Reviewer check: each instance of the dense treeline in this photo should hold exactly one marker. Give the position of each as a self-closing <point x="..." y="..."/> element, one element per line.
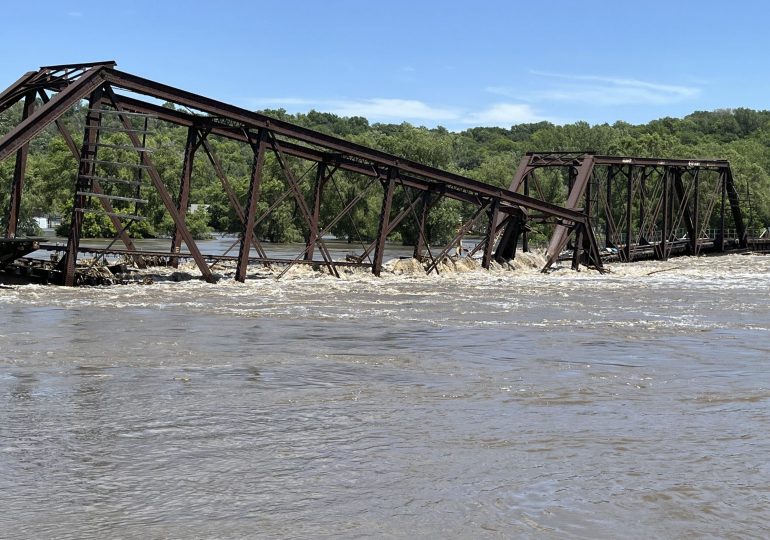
<point x="487" y="154"/>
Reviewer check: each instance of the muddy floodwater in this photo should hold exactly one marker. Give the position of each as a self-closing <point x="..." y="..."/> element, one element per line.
<point x="504" y="404"/>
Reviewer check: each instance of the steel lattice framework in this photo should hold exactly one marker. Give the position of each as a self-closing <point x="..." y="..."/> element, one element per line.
<point x="641" y="203"/>
<point x="505" y="211"/>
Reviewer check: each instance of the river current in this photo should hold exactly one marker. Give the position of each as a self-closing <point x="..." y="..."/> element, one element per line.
<point x="503" y="404"/>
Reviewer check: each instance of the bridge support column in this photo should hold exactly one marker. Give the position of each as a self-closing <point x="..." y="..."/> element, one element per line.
<point x="19" y="172"/>
<point x="87" y="164"/>
<point x="494" y="213"/>
<point x="382" y="231"/>
<point x="723" y="181"/>
<point x="695" y="240"/>
<point x="642" y="207"/>
<point x="666" y="230"/>
<point x="419" y="246"/>
<point x="318" y="187"/>
<point x="251" y="205"/>
<point x="525" y="232"/>
<point x="608" y="243"/>
<point x="184" y="189"/>
<point x="629" y="211"/>
<point x="578" y="247"/>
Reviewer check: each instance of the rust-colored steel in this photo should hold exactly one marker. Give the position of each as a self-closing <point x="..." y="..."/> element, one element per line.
<point x="255" y="183"/>
<point x="87" y="159"/>
<point x="507" y="210"/>
<point x="382" y="232"/>
<point x="622" y="187"/>
<point x="184" y="189"/>
<point x="19" y="172"/>
<point x="168" y="202"/>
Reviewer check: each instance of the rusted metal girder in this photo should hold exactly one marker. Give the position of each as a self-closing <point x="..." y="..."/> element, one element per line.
<point x="184" y="188"/>
<point x="87" y="160"/>
<point x="672" y="203"/>
<point x="258" y="146"/>
<point x="97" y="188"/>
<point x="74" y="82"/>
<point x="19" y="172"/>
<point x="163" y="192"/>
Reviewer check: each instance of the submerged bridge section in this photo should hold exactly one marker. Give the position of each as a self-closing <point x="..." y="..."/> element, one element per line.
<point x="419" y="187"/>
<point x="642" y="207"/>
<point x="122" y="103"/>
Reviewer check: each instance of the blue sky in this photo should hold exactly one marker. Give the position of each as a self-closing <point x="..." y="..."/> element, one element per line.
<point x="451" y="63"/>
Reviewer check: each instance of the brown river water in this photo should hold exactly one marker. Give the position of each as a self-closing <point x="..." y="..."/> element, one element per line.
<point x="503" y="404"/>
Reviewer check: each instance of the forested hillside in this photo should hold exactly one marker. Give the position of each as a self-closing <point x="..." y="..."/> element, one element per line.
<point x="487" y="154"/>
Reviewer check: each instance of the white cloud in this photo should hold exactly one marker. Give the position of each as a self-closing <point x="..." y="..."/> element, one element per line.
<point x="373" y="109"/>
<point x="380" y="108"/>
<point x="410" y="110"/>
<point x="602" y="90"/>
<point x="504" y="115"/>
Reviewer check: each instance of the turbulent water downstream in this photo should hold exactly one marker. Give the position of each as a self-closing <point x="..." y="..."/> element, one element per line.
<point x="484" y="404"/>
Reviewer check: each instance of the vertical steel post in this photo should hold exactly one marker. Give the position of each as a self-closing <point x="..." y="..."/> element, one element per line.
<point x="525" y="233"/>
<point x="629" y="207"/>
<point x="666" y="211"/>
<point x="251" y="205"/>
<point x="318" y="186"/>
<point x="382" y="232"/>
<point x="160" y="187"/>
<point x="642" y="206"/>
<point x="19" y="172"/>
<point x="695" y="242"/>
<point x="87" y="164"/>
<point x="419" y="246"/>
<point x="494" y="212"/>
<point x="723" y="180"/>
<point x="608" y="207"/>
<point x="578" y="247"/>
<point x="184" y="190"/>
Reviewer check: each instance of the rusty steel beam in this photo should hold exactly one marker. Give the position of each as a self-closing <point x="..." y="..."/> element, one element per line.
<point x="278" y="127"/>
<point x="717" y="164"/>
<point x="184" y="189"/>
<point x="232" y="197"/>
<point x="302" y="205"/>
<point x="55" y="108"/>
<point x="422" y="222"/>
<point x="19" y="172"/>
<point x="88" y="156"/>
<point x="559" y="237"/>
<point x="157" y="181"/>
<point x="97" y="188"/>
<point x="318" y="187"/>
<point x="11" y="95"/>
<point x="683" y="197"/>
<point x="382" y="231"/>
<point x="494" y="217"/>
<point x="462" y="232"/>
<point x="333" y="222"/>
<point x="252" y="197"/>
<point x="295" y="150"/>
<point x="392" y="225"/>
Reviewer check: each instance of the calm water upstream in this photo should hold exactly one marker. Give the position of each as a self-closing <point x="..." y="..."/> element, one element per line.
<point x="468" y="405"/>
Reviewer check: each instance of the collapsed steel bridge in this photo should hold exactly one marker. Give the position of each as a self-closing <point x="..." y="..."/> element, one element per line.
<point x="504" y="214"/>
<point x="643" y="207"/>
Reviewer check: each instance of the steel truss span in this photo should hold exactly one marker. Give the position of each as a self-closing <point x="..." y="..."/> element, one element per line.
<point x="642" y="207"/>
<point x="408" y="190"/>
